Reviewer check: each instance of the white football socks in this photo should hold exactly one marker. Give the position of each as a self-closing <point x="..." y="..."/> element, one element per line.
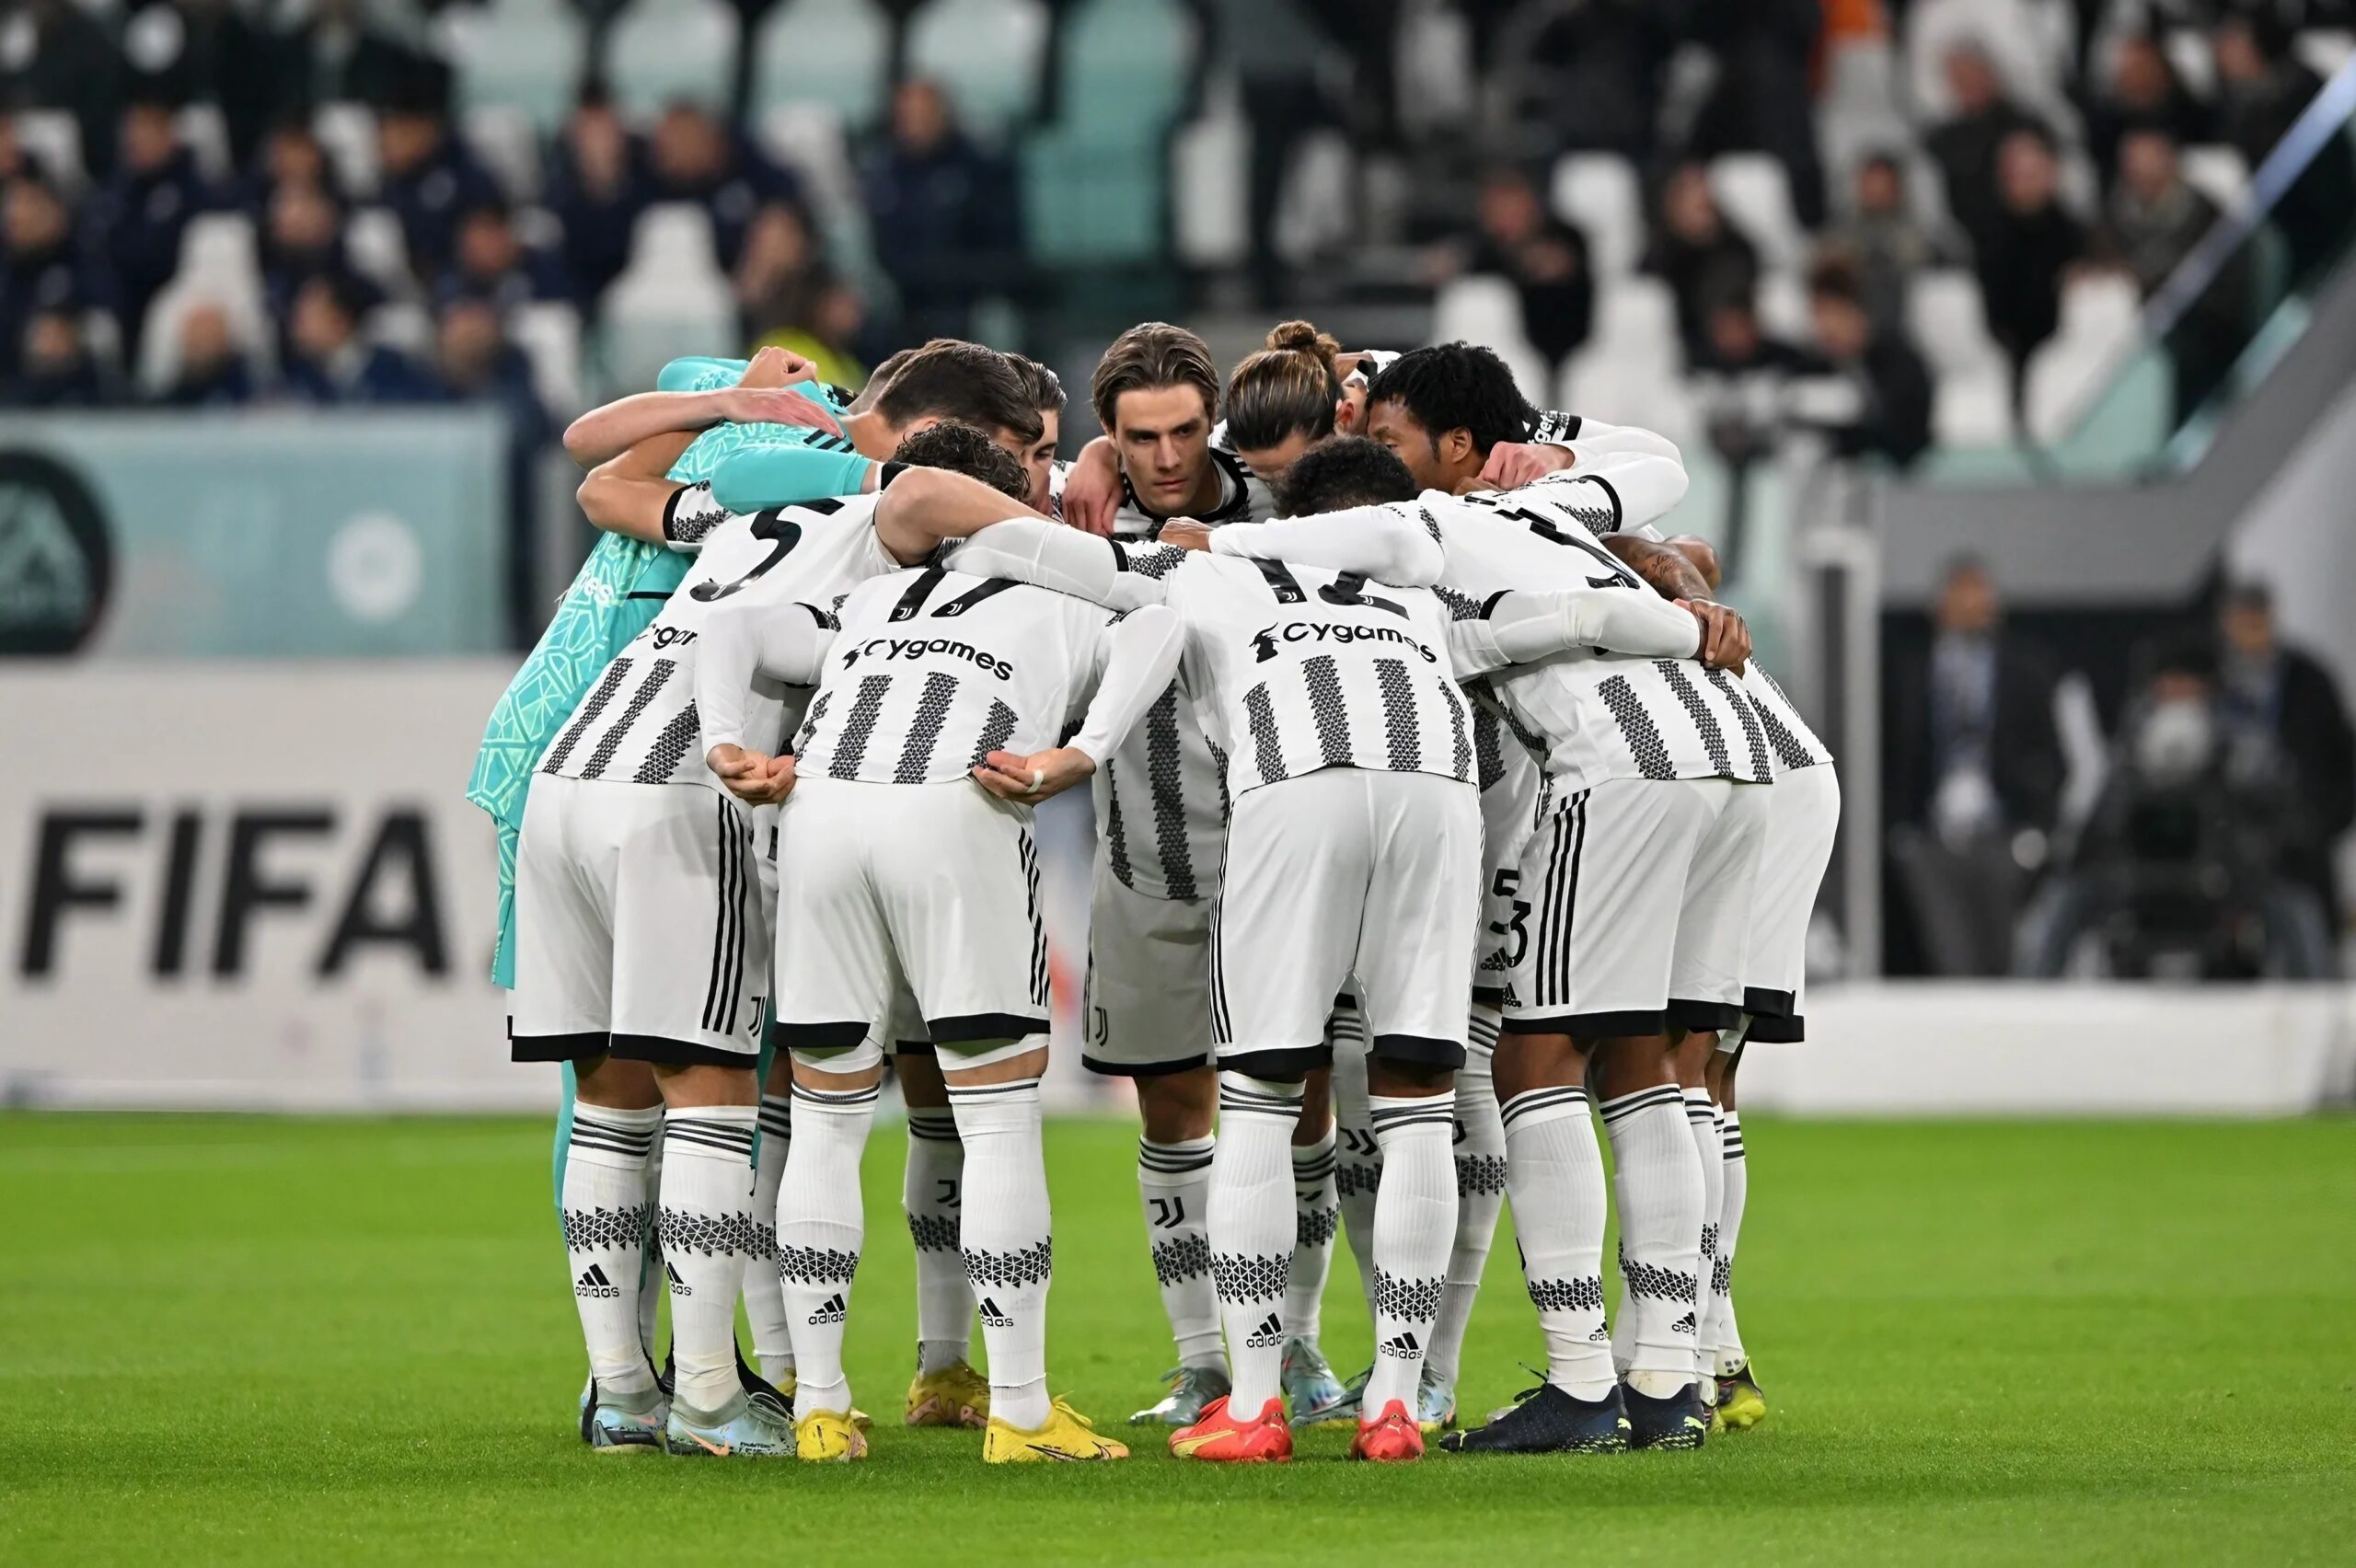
<point x="1007" y="1240"/>
<point x="605" y="1215"/>
<point x="1357" y="1160"/>
<point x="704" y="1218"/>
<point x="1479" y="1194"/>
<point x="1252" y="1231"/>
<point x="821" y="1226"/>
<point x="1414" y="1228"/>
<point x="1316" y="1213"/>
<point x="764" y="1297"/>
<point x="1174" y="1187"/>
<point x="1724" y="1340"/>
<point x="931" y="1196"/>
<point x="1702" y="1125"/>
<point x="1554" y="1176"/>
<point x="1659" y="1198"/>
<point x="651" y="1289"/>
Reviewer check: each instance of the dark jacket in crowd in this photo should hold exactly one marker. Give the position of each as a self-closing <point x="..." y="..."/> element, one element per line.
<point x="141" y="218"/>
<point x="371" y="372"/>
<point x="2023" y="746"/>
<point x="1557" y="314"/>
<point x="429" y="199"/>
<point x="947" y="229"/>
<point x="1699" y="275"/>
<point x="1965" y="150"/>
<point x="2020" y="270"/>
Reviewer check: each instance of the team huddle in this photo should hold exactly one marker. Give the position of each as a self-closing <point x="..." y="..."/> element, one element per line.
<point x="1440" y="809"/>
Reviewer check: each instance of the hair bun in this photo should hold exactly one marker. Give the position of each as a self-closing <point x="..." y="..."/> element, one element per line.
<point x="1302" y="337"/>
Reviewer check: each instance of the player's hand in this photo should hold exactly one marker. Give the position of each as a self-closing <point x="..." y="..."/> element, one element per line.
<point x="1726" y="639"/>
<point x="775" y="404"/>
<point x="1186" y="533"/>
<point x="754" y="778"/>
<point x="1513" y="464"/>
<point x="773" y="366"/>
<point x="1030" y="779"/>
<point x="1092" y="489"/>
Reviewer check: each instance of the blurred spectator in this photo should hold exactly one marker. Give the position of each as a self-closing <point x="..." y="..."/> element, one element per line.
<point x="788" y="296"/>
<point x="596" y="189"/>
<point x="2279" y="698"/>
<point x="2153" y="220"/>
<point x="1894" y="420"/>
<point x="1762" y="101"/>
<point x="492" y="263"/>
<point x="1279" y="49"/>
<point x="338" y="54"/>
<point x="1591" y="73"/>
<point x="1967" y="146"/>
<point x="1883" y="239"/>
<point x="694" y="157"/>
<point x="1971" y="781"/>
<point x="947" y="227"/>
<point x="1738" y="347"/>
<point x="1740" y="379"/>
<point x="291" y="154"/>
<point x="2029" y="244"/>
<point x="2142" y="91"/>
<point x="1545" y="258"/>
<point x="144" y="209"/>
<point x="1701" y="257"/>
<point x="2262" y="88"/>
<point x="474" y="363"/>
<point x="47" y="268"/>
<point x="54" y="54"/>
<point x="329" y="363"/>
<point x="302" y="238"/>
<point x="56" y="370"/>
<point x="208" y="52"/>
<point x="427" y="179"/>
<point x="211" y="371"/>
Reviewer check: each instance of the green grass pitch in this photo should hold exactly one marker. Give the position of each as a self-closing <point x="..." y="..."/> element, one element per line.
<point x="255" y="1341"/>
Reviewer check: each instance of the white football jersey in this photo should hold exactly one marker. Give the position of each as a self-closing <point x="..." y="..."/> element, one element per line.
<point x="1796" y="744"/>
<point x="639" y="724"/>
<point x="1293" y="670"/>
<point x="931" y="670"/>
<point x="1242" y="499"/>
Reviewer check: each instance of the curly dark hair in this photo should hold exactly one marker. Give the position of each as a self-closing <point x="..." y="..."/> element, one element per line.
<point x="1457" y="386"/>
<point x="1343" y="470"/>
<point x="966" y="449"/>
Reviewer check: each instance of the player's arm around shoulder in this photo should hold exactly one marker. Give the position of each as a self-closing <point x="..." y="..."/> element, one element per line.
<point x="745" y="637"/>
<point x="1138" y="650"/>
<point x="1395" y="542"/>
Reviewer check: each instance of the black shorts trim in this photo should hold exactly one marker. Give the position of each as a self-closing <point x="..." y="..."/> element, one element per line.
<point x="1593" y="1026"/>
<point x="1772" y="1031"/>
<point x="1702" y="1018"/>
<point x="1421" y="1050"/>
<point x="969" y="1028"/>
<point x="581" y="1047"/>
<point x="1143" y="1069"/>
<point x="817" y="1036"/>
<point x="912" y="1048"/>
<point x="1488" y="996"/>
<point x="1277" y="1063"/>
<point x="679" y="1053"/>
<point x="1760" y="1002"/>
<point x="1345" y="1000"/>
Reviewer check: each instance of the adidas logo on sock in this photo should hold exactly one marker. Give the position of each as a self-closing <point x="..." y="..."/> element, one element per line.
<point x="992" y="1317"/>
<point x="1268" y="1335"/>
<point x="678" y="1286"/>
<point x="593" y="1283"/>
<point x="1402" y="1344"/>
<point x="832" y="1312"/>
<point x="1683" y="1325"/>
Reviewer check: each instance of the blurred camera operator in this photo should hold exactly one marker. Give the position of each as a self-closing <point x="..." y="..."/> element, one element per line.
<point x="2276" y="699"/>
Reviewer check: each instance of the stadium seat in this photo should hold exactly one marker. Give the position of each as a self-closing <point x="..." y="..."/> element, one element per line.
<point x="520" y="56"/>
<point x="217" y="266"/>
<point x="1858" y="110"/>
<point x="990" y="56"/>
<point x="1971" y="403"/>
<point x="833" y="52"/>
<point x="1093" y="203"/>
<point x="505" y="139"/>
<point x="204" y="134"/>
<point x="1488" y="310"/>
<point x="1440" y="82"/>
<point x="1209" y="207"/>
<point x="2324" y="49"/>
<point x="664" y="52"/>
<point x="1755" y="193"/>
<point x="1628" y="369"/>
<point x="379" y="250"/>
<point x="347" y="133"/>
<point x="2218" y="173"/>
<point x="2187" y="50"/>
<point x="1125" y="68"/>
<point x="549" y="335"/>
<point x="1317" y="206"/>
<point x="2099" y="319"/>
<point x="673" y="292"/>
<point x="54" y="138"/>
<point x="403" y="325"/>
<point x="1781" y="303"/>
<point x="219" y="247"/>
<point x="1596" y="193"/>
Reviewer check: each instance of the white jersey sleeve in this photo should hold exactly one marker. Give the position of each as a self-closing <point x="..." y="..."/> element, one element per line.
<point x="1607" y="492"/>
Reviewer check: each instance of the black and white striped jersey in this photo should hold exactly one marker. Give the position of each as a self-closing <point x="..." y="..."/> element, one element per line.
<point x="1162" y="796"/>
<point x="639" y="724"/>
<point x="1293" y="670"/>
<point x="1788" y="736"/>
<point x="1512" y="794"/>
<point x="1242" y="499"/>
<point x="931" y="670"/>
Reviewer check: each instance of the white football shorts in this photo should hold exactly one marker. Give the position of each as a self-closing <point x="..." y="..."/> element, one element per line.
<point x="1801" y="822"/>
<point x="1147" y="1011"/>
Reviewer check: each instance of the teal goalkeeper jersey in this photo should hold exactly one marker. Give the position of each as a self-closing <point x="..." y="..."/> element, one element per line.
<point x="620" y="588"/>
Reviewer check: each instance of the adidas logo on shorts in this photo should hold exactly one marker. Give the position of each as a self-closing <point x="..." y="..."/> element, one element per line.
<point x="678" y="1286"/>
<point x="1402" y="1344"/>
<point x="992" y="1317"/>
<point x="594" y="1285"/>
<point x="833" y="1311"/>
<point x="1268" y="1334"/>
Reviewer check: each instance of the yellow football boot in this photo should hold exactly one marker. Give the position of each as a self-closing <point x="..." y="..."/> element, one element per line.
<point x="955" y="1396"/>
<point x="1741" y="1405"/>
<point x="825" y="1437"/>
<point x="1068" y="1436"/>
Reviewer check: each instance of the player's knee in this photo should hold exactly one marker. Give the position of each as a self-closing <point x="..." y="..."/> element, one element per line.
<point x="1289" y="1065"/>
<point x="1524" y="1062"/>
<point x="850" y="1066"/>
<point x="1624" y="1067"/>
<point x="1694" y="1054"/>
<point x="1395" y="1078"/>
<point x="975" y="1063"/>
<point x="1177" y="1107"/>
<point x="707" y="1083"/>
<point x="1316" y="1108"/>
<point x="617" y="1085"/>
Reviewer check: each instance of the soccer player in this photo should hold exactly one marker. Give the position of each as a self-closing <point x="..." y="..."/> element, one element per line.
<point x="635" y="877"/>
<point x="1651" y="750"/>
<point x="934" y="683"/>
